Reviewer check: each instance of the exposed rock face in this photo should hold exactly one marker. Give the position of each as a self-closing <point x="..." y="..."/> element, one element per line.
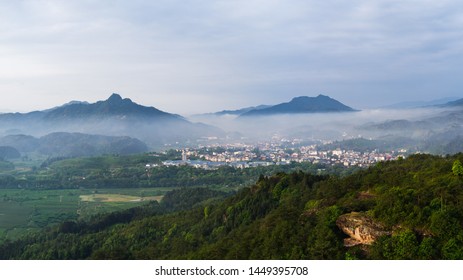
<point x="361" y="229"/>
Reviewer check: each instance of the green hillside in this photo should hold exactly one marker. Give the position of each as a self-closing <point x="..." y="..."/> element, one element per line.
<point x="413" y="209"/>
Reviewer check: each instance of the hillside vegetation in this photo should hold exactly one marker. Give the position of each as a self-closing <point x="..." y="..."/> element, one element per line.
<point x="418" y="202"/>
<point x="130" y="171"/>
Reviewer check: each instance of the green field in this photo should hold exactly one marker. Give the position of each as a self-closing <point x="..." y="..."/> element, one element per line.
<point x="22" y="210"/>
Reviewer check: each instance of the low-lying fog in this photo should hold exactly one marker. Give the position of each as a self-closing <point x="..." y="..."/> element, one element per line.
<point x="428" y="127"/>
<point x="368" y="123"/>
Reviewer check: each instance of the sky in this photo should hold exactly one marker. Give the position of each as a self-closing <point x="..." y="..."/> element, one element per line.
<point x="195" y="56"/>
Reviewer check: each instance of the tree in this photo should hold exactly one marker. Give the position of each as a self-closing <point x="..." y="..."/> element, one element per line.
<point x="457" y="168"/>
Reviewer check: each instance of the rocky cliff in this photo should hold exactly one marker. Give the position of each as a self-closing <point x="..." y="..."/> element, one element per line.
<point x="361" y="228"/>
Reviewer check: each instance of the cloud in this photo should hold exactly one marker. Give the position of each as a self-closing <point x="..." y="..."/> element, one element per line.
<point x="166" y="52"/>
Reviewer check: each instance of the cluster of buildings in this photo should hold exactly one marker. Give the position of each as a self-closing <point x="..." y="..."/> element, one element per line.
<point x="264" y="154"/>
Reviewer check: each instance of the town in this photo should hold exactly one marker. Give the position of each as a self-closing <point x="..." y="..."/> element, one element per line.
<point x="279" y="152"/>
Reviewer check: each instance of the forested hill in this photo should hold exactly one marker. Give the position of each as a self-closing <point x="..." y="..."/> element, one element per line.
<point x="405" y="209"/>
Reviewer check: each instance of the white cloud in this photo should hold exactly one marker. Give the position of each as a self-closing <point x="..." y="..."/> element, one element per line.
<point x="226" y="50"/>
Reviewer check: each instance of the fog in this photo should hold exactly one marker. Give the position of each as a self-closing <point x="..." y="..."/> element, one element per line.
<point x="431" y="129"/>
<point x="371" y="123"/>
<point x="156" y="133"/>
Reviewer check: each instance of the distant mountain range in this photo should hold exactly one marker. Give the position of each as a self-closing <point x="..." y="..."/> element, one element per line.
<point x="418" y="104"/>
<point x="63" y="144"/>
<point x="112" y="117"/>
<point x="445" y="120"/>
<point x="298" y="105"/>
<point x="440" y="131"/>
<point x="240" y="111"/>
<point x="455" y="103"/>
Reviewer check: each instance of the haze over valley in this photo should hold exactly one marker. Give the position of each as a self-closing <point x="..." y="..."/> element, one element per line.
<point x="118" y="125"/>
<point x="242" y="130"/>
<point x="320" y="131"/>
<point x="434" y="129"/>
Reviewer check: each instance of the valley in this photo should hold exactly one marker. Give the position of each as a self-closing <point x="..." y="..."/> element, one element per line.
<point x="186" y="195"/>
<point x="248" y="130"/>
<point x="403" y="209"/>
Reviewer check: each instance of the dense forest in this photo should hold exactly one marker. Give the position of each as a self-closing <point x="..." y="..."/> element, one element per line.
<point x="417" y="203"/>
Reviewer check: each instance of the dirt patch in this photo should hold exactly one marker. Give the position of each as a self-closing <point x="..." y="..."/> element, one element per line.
<point x="116" y="198"/>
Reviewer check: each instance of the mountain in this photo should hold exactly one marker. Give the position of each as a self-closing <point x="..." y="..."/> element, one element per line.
<point x="437" y="129"/>
<point x="65" y="144"/>
<point x="240" y="111"/>
<point x="79" y="144"/>
<point x="114" y="106"/>
<point x="417" y="104"/>
<point x="302" y="104"/>
<point x="7" y="152"/>
<point x="455" y="103"/>
<point x="22" y="143"/>
<point x="67" y="104"/>
<point x="401" y="124"/>
<point x="115" y="116"/>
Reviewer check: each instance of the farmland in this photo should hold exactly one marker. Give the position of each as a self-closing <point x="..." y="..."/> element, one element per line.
<point x="23" y="211"/>
<point x="40" y="192"/>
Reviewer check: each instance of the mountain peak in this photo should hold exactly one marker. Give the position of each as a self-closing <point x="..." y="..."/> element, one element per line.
<point x="320" y="97"/>
<point x="114" y="106"/>
<point x="299" y="98"/>
<point x="114" y="98"/>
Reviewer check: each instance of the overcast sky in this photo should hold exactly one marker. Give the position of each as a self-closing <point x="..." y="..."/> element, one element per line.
<point x="200" y="56"/>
